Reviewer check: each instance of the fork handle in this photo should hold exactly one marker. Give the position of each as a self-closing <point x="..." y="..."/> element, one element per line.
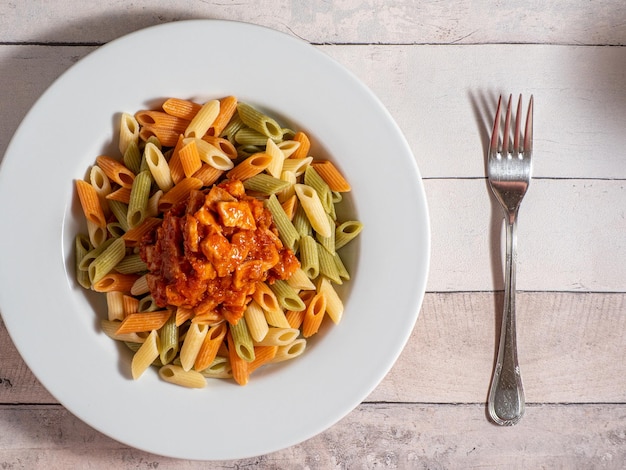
<point x="506" y="396"/>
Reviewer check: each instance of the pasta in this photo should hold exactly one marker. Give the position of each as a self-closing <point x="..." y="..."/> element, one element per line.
<point x="215" y="239"/>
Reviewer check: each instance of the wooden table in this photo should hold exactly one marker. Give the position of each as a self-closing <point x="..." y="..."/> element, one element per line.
<point x="438" y="67"/>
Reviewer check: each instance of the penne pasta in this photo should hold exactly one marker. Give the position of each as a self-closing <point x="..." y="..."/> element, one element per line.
<point x="90" y="202"/>
<point x="279" y="337"/>
<point x="255" y="320"/>
<point x="228" y="107"/>
<point x="203" y="119"/>
<point x="184" y="109"/>
<point x="346" y="232"/>
<point x="104" y="263"/>
<point x="145" y="355"/>
<point x="305" y="145"/>
<point x="251" y="166"/>
<point x="258" y="121"/>
<point x="286" y="231"/>
<point x="290" y="351"/>
<point x="332" y="176"/>
<point x="210" y="346"/>
<point x="129" y="132"/>
<point x="191" y="344"/>
<point x="190" y="158"/>
<point x="312" y="206"/>
<point x="138" y="200"/>
<point x="185" y="378"/>
<point x="179" y="193"/>
<point x="143" y="321"/>
<point x="158" y="167"/>
<point x="314" y="315"/>
<point x="115" y="171"/>
<point x="168" y="336"/>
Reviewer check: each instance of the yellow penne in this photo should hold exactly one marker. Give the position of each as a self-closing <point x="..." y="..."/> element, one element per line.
<point x="158" y="167"/>
<point x="185" y="378"/>
<point x="129" y="132"/>
<point x="116" y="171"/>
<point x="256" y="321"/>
<point x="288" y="147"/>
<point x="203" y="119"/>
<point x="297" y="166"/>
<point x="334" y="304"/>
<point x="145" y="355"/>
<point x="275" y="167"/>
<point x="279" y="337"/>
<point x="212" y="155"/>
<point x="115" y="305"/>
<point x="191" y="344"/>
<point x="90" y="202"/>
<point x="100" y="182"/>
<point x="97" y="234"/>
<point x="290" y="351"/>
<point x="140" y="286"/>
<point x="312" y="205"/>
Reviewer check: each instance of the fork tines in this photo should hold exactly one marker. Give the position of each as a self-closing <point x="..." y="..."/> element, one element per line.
<point x="506" y="148"/>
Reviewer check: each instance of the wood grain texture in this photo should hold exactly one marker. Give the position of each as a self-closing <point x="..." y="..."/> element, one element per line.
<point x="571" y="348"/>
<point x="319" y="21"/>
<point x="400" y="436"/>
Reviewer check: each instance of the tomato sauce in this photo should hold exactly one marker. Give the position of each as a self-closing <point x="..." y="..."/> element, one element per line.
<point x="211" y="250"/>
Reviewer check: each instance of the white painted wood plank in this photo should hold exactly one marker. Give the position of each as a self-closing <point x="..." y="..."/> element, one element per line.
<point x="373" y="436"/>
<point x="351" y="21"/>
<point x="571" y="351"/>
<point x="570" y="236"/>
<point x="442" y="97"/>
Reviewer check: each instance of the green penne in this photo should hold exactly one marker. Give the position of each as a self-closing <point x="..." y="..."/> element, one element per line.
<point x="242" y="340"/>
<point x="248" y="136"/>
<point x="301" y="222"/>
<point x="82" y="247"/>
<point x="346" y="232"/>
<point x="147" y="304"/>
<point x="138" y="202"/>
<point x="219" y="369"/>
<point x="309" y="258"/>
<point x="115" y="229"/>
<point x="168" y="336"/>
<point x="132" y="157"/>
<point x="328" y="242"/>
<point x="328" y="266"/>
<point x="344" y="275"/>
<point x="260" y="122"/>
<point x="265" y="184"/>
<point x="232" y="128"/>
<point x="287" y="296"/>
<point x="120" y="211"/>
<point x="287" y="232"/>
<point x="106" y="261"/>
<point x="131" y="264"/>
<point x="88" y="258"/>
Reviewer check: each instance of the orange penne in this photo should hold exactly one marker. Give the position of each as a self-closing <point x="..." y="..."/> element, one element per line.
<point x="164" y="135"/>
<point x="295" y="318"/>
<point x="314" y="315"/>
<point x="143" y="321"/>
<point x="190" y="158"/>
<point x="305" y="145"/>
<point x="183" y="314"/>
<point x="228" y="106"/>
<point x="130" y="304"/>
<point x="208" y="174"/>
<point x="122" y="195"/>
<point x="90" y="203"/>
<point x="181" y="108"/>
<point x="179" y="193"/>
<point x="262" y="355"/>
<point x="135" y="234"/>
<point x="176" y="167"/>
<point x="238" y="365"/>
<point x="289" y="206"/>
<point x="224" y="145"/>
<point x="253" y="165"/>
<point x="162" y="120"/>
<point x="331" y="175"/>
<point x="115" y="282"/>
<point x="116" y="171"/>
<point x="211" y="344"/>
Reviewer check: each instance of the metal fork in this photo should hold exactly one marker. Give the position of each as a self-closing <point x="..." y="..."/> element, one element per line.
<point x="509" y="173"/>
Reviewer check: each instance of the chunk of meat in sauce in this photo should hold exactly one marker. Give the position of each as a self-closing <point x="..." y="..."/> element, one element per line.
<point x="211" y="251"/>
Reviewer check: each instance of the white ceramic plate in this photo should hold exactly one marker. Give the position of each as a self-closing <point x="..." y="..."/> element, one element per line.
<point x="54" y="323"/>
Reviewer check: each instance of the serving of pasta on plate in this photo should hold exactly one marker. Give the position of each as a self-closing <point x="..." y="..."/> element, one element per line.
<point x="215" y="237"/>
